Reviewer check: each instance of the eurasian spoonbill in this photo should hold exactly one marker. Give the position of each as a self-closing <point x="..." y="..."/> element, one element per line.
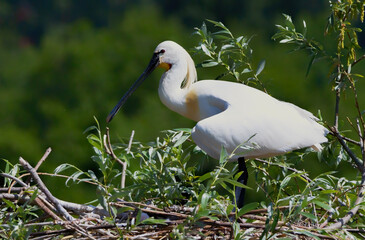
<point x="229" y="115"/>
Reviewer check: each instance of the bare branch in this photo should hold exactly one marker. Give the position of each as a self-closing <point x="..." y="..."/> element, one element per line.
<point x="14" y="179"/>
<point x="44" y="189"/>
<point x="109" y="150"/>
<point x="337" y="107"/>
<point x="130" y="142"/>
<point x="44" y="157"/>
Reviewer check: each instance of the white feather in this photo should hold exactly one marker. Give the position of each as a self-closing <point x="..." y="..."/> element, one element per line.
<point x="232" y="114"/>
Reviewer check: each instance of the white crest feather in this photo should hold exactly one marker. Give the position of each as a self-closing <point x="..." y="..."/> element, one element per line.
<point x="191" y="75"/>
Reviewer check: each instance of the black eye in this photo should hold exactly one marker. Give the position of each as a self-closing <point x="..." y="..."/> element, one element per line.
<point x="161" y="51"/>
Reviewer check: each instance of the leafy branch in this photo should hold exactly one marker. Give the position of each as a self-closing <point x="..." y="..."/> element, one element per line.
<point x="222" y="48"/>
<point x="342" y="77"/>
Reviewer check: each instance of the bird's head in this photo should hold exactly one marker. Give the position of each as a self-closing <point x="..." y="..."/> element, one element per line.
<point x="169" y="53"/>
<point x="166" y="55"/>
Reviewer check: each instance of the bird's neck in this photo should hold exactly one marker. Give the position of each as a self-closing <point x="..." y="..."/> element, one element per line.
<point x="170" y="91"/>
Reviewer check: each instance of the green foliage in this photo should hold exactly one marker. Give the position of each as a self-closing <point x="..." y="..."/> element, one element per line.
<point x="167" y="173"/>
<point x="49" y="92"/>
<point x="14" y="215"/>
<point x="222" y="48"/>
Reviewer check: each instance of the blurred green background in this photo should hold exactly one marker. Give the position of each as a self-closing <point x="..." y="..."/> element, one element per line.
<point x="63" y="62"/>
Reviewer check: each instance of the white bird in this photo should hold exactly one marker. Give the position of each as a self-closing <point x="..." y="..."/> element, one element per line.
<point x="230" y="115"/>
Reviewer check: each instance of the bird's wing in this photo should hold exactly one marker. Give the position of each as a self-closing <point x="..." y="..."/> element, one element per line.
<point x="262" y="131"/>
<point x="304" y="113"/>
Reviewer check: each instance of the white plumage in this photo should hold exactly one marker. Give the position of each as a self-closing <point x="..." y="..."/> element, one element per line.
<point x="230" y="115"/>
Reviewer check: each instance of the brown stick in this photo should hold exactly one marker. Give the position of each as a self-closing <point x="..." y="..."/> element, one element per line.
<point x="44" y="189"/>
<point x="39" y="163"/>
<point x="109" y="150"/>
<point x="37" y="200"/>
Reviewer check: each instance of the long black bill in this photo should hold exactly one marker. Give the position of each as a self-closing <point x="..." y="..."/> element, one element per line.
<point x="151" y="66"/>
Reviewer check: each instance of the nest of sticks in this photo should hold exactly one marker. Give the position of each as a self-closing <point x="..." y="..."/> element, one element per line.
<point x="80" y="221"/>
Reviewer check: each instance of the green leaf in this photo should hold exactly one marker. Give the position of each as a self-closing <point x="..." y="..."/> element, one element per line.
<point x="9" y="203"/>
<point x="181" y="140"/>
<point x="309" y="215"/>
<point x="209" y="64"/>
<point x="205" y="50"/>
<point x="223" y="157"/>
<point x="246" y="70"/>
<point x="323" y="205"/>
<point x="229" y="209"/>
<point x="246" y="208"/>
<point x="204" y="200"/>
<point x="286" y="40"/>
<point x="285" y="182"/>
<point x="62" y="167"/>
<point x="205" y="177"/>
<point x="154" y="221"/>
<point x="89" y="129"/>
<point x="329" y="191"/>
<point x="310" y="64"/>
<point x="138" y="217"/>
<point x="234" y="183"/>
<point x="307" y="233"/>
<point x="260" y="67"/>
<point x="289" y="22"/>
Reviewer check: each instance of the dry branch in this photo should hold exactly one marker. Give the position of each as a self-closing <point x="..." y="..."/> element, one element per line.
<point x="44" y="189"/>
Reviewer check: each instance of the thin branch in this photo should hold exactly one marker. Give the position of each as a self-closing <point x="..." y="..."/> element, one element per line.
<point x="358" y="60"/>
<point x="44" y="157"/>
<point x="39" y="163"/>
<point x="291" y="169"/>
<point x="14" y="179"/>
<point x="356" y="99"/>
<point x="360" y="197"/>
<point x="109" y="150"/>
<point x="44" y="189"/>
<point x="12" y="190"/>
<point x="345" y="138"/>
<point x="24" y="199"/>
<point x="337" y="106"/>
<point x="130" y="142"/>
<point x="357" y="161"/>
<point x="40" y="202"/>
<point x="362" y="139"/>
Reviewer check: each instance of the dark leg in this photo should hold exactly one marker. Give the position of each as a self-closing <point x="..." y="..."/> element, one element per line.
<point x="240" y="192"/>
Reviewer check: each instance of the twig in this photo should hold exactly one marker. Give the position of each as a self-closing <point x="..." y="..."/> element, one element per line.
<point x="14" y="179"/>
<point x="12" y="190"/>
<point x="337" y="106"/>
<point x="44" y="157"/>
<point x="343" y="221"/>
<point x="39" y="163"/>
<point x="24" y="199"/>
<point x="290" y="168"/>
<point x="44" y="189"/>
<point x="345" y="138"/>
<point x="40" y="202"/>
<point x="130" y="142"/>
<point x="109" y="150"/>
<point x="362" y="139"/>
<point x="357" y="161"/>
<point x="358" y="60"/>
<point x="84" y="208"/>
